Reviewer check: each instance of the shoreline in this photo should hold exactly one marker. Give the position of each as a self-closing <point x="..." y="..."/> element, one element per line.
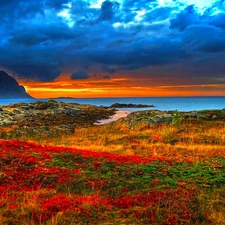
<point x="164" y="104"/>
<point x="118" y="114"/>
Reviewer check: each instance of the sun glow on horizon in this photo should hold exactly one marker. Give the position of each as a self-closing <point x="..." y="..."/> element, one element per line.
<point x="57" y="89"/>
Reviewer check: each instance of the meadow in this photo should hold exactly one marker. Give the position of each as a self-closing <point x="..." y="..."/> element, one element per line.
<point x="171" y="173"/>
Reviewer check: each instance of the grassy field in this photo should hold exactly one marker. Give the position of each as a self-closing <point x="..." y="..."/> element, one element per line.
<point x="168" y="174"/>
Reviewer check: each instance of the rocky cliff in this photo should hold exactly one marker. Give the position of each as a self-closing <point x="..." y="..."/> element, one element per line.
<point x="9" y="87"/>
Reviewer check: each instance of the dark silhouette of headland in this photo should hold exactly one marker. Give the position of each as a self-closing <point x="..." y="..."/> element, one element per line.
<point x="10" y="88"/>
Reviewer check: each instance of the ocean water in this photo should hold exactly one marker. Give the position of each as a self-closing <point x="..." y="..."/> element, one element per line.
<point x="160" y="103"/>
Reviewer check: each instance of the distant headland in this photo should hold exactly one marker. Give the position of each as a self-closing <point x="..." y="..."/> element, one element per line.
<point x="10" y="88"/>
<point x="65" y="98"/>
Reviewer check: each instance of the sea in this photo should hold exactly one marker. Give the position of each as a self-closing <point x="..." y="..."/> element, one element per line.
<point x="161" y="103"/>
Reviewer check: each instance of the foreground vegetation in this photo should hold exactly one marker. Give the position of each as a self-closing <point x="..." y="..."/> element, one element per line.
<point x="167" y="174"/>
<point x="54" y="185"/>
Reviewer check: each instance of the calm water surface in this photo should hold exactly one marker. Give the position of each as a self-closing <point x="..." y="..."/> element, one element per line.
<point x="168" y="103"/>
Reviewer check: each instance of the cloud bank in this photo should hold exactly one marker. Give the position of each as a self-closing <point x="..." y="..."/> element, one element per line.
<point x="42" y="39"/>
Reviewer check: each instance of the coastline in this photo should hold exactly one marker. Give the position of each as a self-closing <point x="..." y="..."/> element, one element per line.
<point x="118" y="114"/>
<point x="161" y="103"/>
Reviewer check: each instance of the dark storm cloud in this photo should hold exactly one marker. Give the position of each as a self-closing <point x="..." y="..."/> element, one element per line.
<point x="42" y="39"/>
<point x="204" y="38"/>
<point x="56" y="4"/>
<point x="42" y="72"/>
<point x="140" y="54"/>
<point x="218" y="20"/>
<point x="79" y="75"/>
<point x="48" y="32"/>
<point x="109" y="69"/>
<point x="185" y="18"/>
<point x="107" y="10"/>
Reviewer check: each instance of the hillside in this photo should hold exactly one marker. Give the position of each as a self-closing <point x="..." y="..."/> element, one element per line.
<point x="9" y="87"/>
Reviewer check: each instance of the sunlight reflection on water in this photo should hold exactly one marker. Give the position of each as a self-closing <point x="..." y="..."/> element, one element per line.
<point x="119" y="114"/>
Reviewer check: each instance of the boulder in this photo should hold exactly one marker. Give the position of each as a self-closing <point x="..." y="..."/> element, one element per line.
<point x="71" y="111"/>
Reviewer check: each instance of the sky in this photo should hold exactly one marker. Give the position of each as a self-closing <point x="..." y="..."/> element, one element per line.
<point x="104" y="48"/>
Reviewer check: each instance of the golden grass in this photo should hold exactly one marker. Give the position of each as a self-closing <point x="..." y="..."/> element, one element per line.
<point x="191" y="139"/>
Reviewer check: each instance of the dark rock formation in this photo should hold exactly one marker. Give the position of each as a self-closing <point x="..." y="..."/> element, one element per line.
<point x="9" y="87"/>
<point x="121" y="105"/>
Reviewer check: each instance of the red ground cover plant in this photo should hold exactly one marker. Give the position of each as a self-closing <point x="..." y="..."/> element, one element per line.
<point x="56" y="185"/>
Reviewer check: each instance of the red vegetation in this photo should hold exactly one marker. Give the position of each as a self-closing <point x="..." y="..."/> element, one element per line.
<point x="46" y="181"/>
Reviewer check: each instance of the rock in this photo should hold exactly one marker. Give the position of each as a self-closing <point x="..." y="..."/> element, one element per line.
<point x="53" y="101"/>
<point x="17" y="111"/>
<point x="19" y="104"/>
<point x="7" y="122"/>
<point x="204" y="117"/>
<point x="192" y="114"/>
<point x="121" y="105"/>
<point x="71" y="111"/>
<point x="41" y="105"/>
<point x="25" y="107"/>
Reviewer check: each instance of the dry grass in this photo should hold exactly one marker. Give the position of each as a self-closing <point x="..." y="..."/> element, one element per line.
<point x="190" y="139"/>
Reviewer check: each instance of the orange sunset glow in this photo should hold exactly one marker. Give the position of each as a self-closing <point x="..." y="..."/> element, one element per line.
<point x="121" y="87"/>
